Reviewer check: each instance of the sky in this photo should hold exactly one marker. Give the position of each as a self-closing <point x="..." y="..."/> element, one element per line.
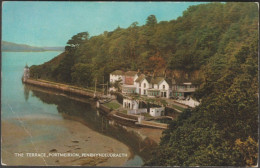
<point x="40" y="23"/>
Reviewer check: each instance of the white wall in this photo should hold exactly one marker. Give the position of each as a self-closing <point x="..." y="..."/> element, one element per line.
<point x="137" y="111"/>
<point x="133" y="104"/>
<point x="155" y="112"/>
<point x="167" y="88"/>
<point x="114" y="78"/>
<point x="144" y="88"/>
<point x="135" y="77"/>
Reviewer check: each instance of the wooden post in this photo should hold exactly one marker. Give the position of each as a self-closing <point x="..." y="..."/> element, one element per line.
<point x="107" y="88"/>
<point x="95" y="88"/>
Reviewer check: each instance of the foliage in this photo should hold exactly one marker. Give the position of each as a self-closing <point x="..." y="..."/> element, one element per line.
<point x="222" y="131"/>
<point x="117" y="85"/>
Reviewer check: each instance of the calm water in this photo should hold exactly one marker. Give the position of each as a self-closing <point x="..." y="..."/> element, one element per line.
<point x="20" y="100"/>
<point x="13" y="89"/>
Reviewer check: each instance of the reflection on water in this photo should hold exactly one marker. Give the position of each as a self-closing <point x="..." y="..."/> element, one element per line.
<point x="26" y="93"/>
<point x="84" y="111"/>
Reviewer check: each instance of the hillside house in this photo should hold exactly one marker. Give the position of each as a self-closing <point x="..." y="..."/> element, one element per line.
<point x="153" y="86"/>
<point x="130" y="77"/>
<point x="159" y="87"/>
<point x="129" y="83"/>
<point x="183" y="88"/>
<point x="142" y="84"/>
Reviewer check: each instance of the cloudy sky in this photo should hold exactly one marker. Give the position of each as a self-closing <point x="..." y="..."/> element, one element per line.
<point x="54" y="23"/>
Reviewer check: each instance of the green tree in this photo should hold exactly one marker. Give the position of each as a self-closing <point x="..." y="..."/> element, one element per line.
<point x="76" y="41"/>
<point x="151" y="20"/>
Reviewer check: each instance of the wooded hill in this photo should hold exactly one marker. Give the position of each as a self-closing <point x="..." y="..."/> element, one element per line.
<point x="218" y="41"/>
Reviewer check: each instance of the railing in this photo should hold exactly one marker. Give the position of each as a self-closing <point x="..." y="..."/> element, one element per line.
<point x="154" y="124"/>
<point x="185" y="90"/>
<point x="137" y="111"/>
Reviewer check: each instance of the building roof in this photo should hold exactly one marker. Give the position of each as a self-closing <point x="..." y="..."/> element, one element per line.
<point x="140" y="78"/>
<point x="130" y="73"/>
<point x="118" y="72"/>
<point x="156" y="80"/>
<point x="180" y="81"/>
<point x="128" y="86"/>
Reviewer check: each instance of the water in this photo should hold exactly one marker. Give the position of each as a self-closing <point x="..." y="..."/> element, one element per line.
<point x="20" y="100"/>
<point x="12" y="92"/>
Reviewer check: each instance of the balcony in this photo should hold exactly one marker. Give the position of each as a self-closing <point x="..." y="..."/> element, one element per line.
<point x="128" y="89"/>
<point x="184" y="89"/>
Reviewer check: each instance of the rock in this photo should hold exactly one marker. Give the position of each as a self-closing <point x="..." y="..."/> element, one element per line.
<point x="53" y="150"/>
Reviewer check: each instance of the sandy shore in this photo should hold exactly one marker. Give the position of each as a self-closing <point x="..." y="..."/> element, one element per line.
<point x="51" y="136"/>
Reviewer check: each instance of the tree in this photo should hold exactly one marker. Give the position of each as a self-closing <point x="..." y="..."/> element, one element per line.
<point x="81" y="74"/>
<point x="151" y="20"/>
<point x="117" y="85"/>
<point x="156" y="63"/>
<point x="76" y="41"/>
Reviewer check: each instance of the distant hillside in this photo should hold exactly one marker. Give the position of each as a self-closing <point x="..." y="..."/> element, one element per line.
<point x="9" y="46"/>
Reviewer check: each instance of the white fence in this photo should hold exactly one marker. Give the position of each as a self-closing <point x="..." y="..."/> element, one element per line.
<point x="137" y="111"/>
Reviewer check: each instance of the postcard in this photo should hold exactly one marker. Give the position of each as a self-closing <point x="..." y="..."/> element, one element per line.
<point x="129" y="84"/>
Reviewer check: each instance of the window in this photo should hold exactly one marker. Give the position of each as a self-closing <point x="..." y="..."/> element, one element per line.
<point x="139" y="84"/>
<point x="144" y="85"/>
<point x="152" y="86"/>
<point x="144" y="92"/>
<point x="163" y="86"/>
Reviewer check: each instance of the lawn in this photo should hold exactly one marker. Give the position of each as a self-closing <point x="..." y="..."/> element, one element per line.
<point x="178" y="107"/>
<point x="112" y="105"/>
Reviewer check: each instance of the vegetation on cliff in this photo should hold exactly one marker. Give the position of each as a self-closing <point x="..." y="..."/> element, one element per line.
<point x="220" y="40"/>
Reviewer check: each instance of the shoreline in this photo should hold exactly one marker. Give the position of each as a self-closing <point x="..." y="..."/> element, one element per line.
<point x="35" y="136"/>
<point x="13" y="127"/>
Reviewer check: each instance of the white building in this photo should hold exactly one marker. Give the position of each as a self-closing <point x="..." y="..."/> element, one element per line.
<point x="164" y="87"/>
<point x="182" y="88"/>
<point x="129" y="86"/>
<point x="141" y="84"/>
<point x="116" y="76"/>
<point x="157" y="111"/>
<point x="26" y="72"/>
<point x="153" y="86"/>
<point x="130" y="104"/>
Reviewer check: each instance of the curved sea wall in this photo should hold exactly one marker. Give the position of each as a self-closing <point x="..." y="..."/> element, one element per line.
<point x="63" y="87"/>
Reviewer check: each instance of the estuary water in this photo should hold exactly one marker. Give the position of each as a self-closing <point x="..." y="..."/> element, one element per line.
<point x="26" y="107"/>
